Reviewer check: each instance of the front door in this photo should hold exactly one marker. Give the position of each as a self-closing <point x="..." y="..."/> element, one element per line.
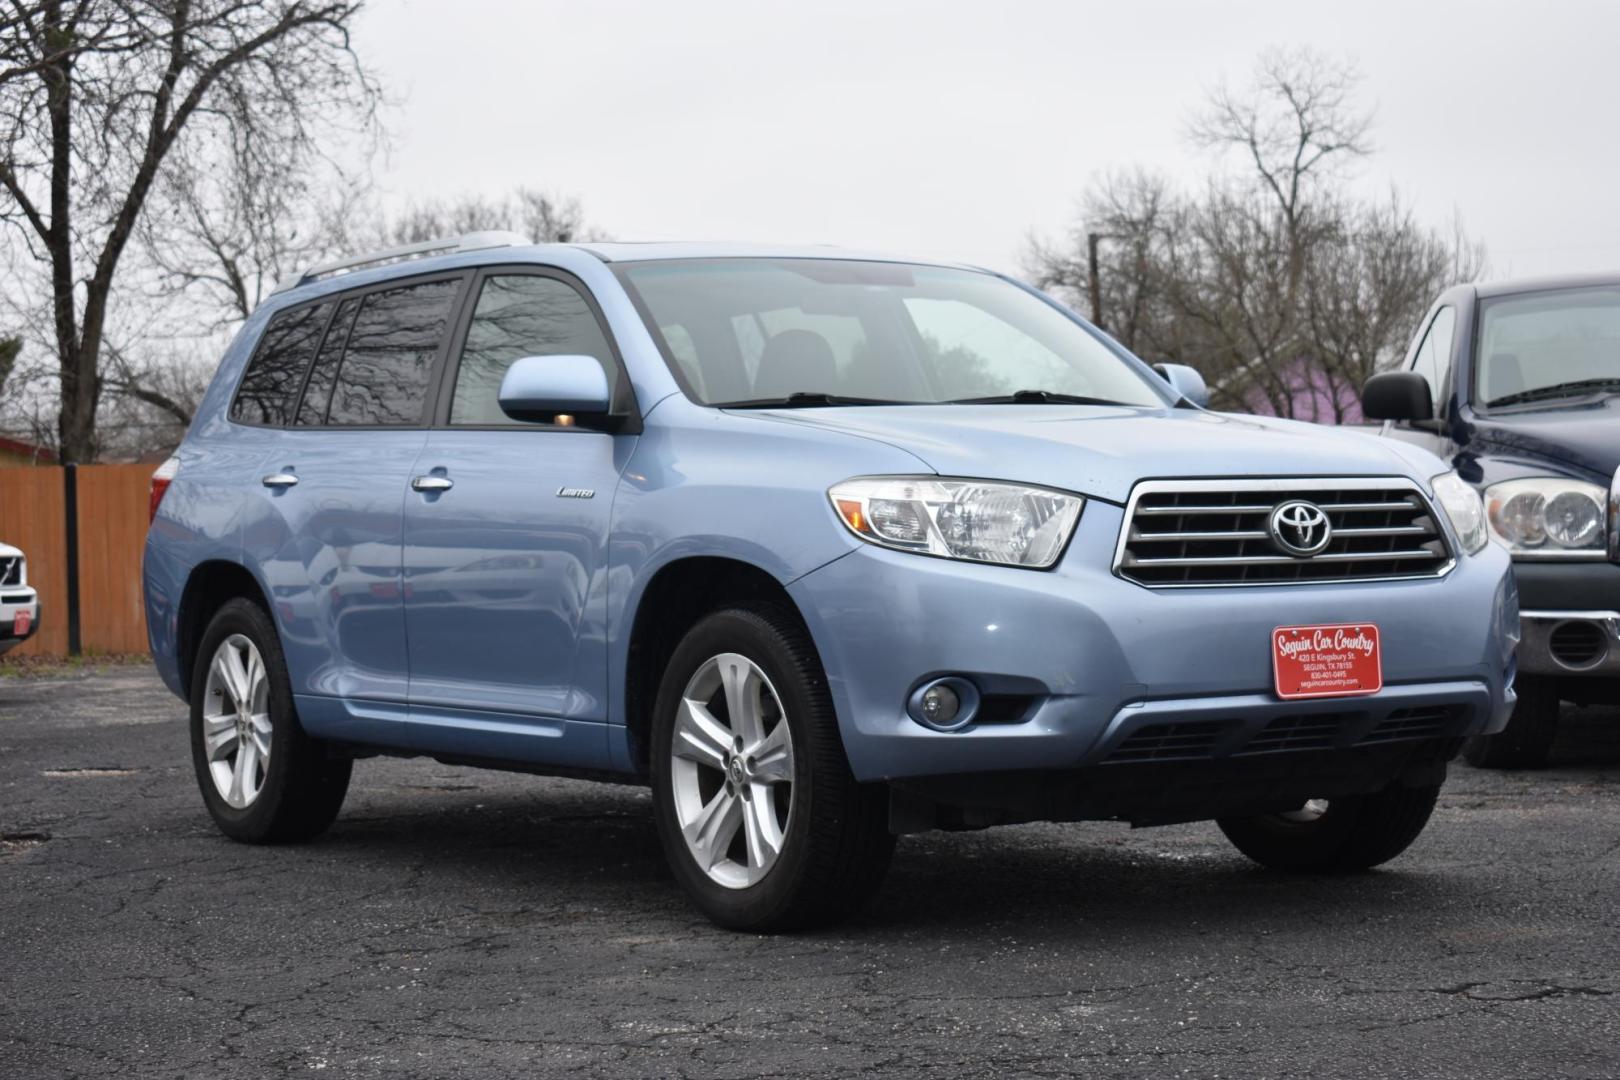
<point x="505" y="545"/>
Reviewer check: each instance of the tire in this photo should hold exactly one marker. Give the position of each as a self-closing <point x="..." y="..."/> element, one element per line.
<point x="301" y="790"/>
<point x="832" y="842"/>
<point x="1349" y="834"/>
<point x="1528" y="737"/>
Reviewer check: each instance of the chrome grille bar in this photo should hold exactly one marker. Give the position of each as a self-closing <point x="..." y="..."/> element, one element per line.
<point x="1188" y="533"/>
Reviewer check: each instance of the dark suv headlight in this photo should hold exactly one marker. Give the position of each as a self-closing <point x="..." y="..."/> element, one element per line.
<point x="1549" y="517"/>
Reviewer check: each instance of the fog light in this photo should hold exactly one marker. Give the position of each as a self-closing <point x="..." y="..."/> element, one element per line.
<point x="940" y="705"/>
<point x="946" y="704"/>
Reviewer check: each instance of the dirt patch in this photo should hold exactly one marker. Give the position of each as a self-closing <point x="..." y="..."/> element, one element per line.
<point x="17" y="843"/>
<point x="60" y="667"/>
<point x="87" y="774"/>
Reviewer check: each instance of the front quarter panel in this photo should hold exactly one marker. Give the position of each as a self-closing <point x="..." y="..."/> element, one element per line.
<point x="708" y="483"/>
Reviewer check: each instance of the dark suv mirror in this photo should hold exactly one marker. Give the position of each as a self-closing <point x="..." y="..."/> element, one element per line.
<point x="538" y="387"/>
<point x="1397" y="395"/>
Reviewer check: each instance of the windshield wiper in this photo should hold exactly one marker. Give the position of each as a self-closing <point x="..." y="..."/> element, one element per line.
<point x="1573" y="388"/>
<point x="1035" y="397"/>
<point x="802" y="399"/>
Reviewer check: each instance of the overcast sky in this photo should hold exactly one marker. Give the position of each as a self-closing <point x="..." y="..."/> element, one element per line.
<point x="953" y="129"/>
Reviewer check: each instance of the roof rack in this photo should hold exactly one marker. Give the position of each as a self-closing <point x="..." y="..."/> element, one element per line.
<point x="473" y="241"/>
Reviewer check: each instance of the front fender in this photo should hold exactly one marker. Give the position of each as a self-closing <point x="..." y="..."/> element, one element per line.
<point x="705" y="483"/>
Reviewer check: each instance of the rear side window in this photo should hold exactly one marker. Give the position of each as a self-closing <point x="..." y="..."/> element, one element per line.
<point x="521" y="315"/>
<point x="388" y="362"/>
<point x="270" y="384"/>
<point x="322" y="377"/>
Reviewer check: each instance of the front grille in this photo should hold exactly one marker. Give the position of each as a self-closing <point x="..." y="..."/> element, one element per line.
<point x="1214" y="532"/>
<point x="1578" y="643"/>
<point x="1169" y="742"/>
<point x="10" y="570"/>
<point x="1420" y="722"/>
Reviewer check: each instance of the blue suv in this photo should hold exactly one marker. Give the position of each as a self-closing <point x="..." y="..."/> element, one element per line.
<point x="825" y="547"/>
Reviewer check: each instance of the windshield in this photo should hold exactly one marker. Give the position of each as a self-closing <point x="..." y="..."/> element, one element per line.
<point x="1549" y="346"/>
<point x="757" y="331"/>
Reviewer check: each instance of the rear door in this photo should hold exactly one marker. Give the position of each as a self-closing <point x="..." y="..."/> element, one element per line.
<point x="332" y="546"/>
<point x="506" y="545"/>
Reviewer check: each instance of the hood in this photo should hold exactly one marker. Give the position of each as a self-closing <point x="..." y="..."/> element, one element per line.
<point x="1103" y="451"/>
<point x="1584" y="436"/>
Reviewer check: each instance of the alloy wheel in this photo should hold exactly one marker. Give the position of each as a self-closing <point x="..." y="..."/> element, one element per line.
<point x="236" y="721"/>
<point x="731" y="763"/>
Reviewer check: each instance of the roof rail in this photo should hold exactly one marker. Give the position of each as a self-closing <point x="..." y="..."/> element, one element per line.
<point x="473" y="241"/>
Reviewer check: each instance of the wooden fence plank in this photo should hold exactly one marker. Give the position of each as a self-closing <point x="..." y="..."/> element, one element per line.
<point x="31" y="518"/>
<point x="113" y="508"/>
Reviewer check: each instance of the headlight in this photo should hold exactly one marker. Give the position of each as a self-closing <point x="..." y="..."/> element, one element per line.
<point x="1548" y="517"/>
<point x="1461" y="505"/>
<point x="959" y="519"/>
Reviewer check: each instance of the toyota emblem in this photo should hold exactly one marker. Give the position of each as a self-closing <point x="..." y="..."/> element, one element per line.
<point x="1299" y="528"/>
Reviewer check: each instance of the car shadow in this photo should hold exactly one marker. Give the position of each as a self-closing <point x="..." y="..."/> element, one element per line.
<point x="582" y="846"/>
<point x="1588" y="739"/>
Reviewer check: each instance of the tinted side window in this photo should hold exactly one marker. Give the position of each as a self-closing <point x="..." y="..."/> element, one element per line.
<point x="521" y="315"/>
<point x="271" y="381"/>
<point x="383" y="378"/>
<point x="1433" y="357"/>
<point x="318" y="391"/>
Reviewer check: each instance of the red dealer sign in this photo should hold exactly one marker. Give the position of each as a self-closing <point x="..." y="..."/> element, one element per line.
<point x="1326" y="661"/>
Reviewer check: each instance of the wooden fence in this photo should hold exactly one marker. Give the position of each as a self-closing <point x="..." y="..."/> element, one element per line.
<point x="112" y="516"/>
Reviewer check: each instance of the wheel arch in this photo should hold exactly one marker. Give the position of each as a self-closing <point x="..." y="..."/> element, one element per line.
<point x="678" y="594"/>
<point x="209" y="586"/>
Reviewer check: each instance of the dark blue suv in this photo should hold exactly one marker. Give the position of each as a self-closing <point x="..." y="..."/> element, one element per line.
<point x="1517" y="384"/>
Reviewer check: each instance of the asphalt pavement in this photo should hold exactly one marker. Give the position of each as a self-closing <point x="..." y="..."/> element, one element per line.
<point x="458" y="923"/>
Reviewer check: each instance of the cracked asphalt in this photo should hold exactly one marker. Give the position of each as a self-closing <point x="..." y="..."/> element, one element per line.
<point x="457" y="923"/>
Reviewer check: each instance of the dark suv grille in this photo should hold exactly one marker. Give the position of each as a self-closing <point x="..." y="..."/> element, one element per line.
<point x="1215" y="533"/>
<point x="10" y="570"/>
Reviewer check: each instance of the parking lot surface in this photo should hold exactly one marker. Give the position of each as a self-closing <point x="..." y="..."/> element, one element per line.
<point x="463" y="923"/>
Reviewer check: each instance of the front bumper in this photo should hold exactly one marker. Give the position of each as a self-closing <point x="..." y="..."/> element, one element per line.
<point x="16" y="601"/>
<point x="1571" y="618"/>
<point x="1087" y="663"/>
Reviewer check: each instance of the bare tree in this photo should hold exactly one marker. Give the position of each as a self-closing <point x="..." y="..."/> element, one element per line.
<point x="1286" y="291"/>
<point x="542" y="216"/>
<point x="98" y="97"/>
<point x="227" y="235"/>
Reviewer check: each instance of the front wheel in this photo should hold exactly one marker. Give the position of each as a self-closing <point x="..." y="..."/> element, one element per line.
<point x="761" y="820"/>
<point x="1338" y="835"/>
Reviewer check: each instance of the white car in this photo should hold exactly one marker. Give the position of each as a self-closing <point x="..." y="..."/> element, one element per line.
<point x="19" y="605"/>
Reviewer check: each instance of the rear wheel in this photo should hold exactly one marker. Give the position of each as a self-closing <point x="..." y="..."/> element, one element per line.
<point x="1528" y="737"/>
<point x="759" y="816"/>
<point x="1337" y="835"/>
<point x="262" y="778"/>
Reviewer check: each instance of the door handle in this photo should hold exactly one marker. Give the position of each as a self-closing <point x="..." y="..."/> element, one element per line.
<point x="280" y="480"/>
<point x="432" y="483"/>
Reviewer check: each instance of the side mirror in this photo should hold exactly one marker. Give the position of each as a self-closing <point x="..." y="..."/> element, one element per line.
<point x="1185" y="381"/>
<point x="1398" y="395"/>
<point x="539" y="387"/>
